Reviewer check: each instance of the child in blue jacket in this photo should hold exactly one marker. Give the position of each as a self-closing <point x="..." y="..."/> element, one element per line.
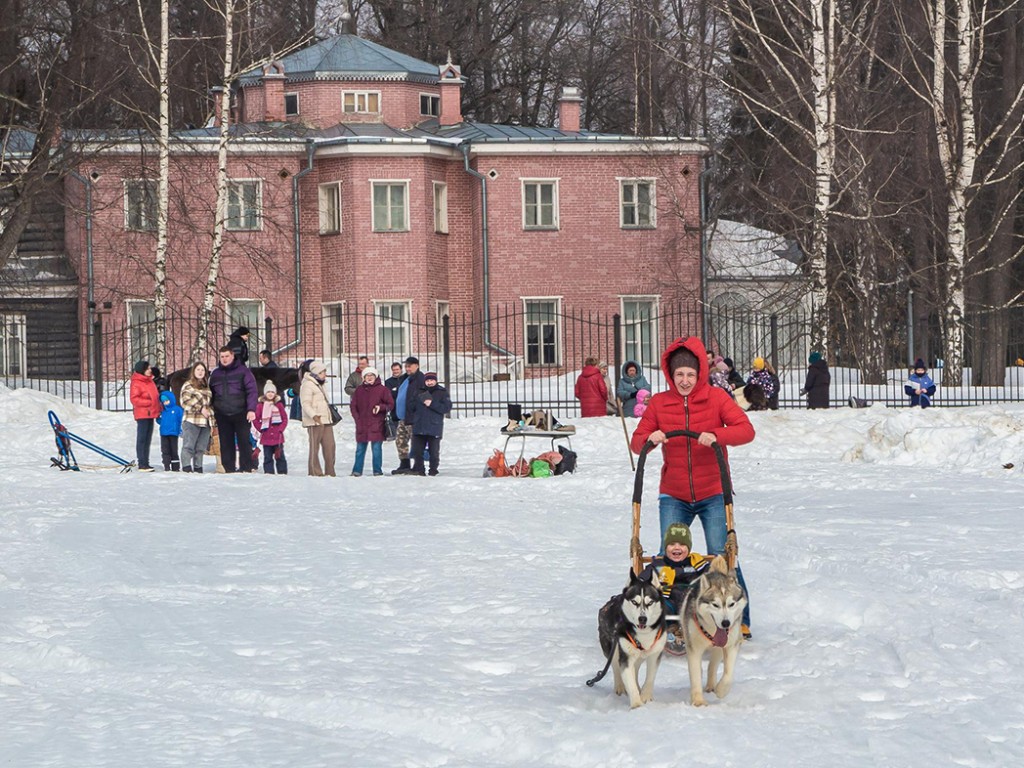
<point x="920" y="387"/>
<point x="170" y="430"/>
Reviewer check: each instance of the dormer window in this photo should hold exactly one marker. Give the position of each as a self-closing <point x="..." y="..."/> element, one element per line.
<point x="360" y="102"/>
<point x="430" y="105"/>
<point x="291" y="104"/>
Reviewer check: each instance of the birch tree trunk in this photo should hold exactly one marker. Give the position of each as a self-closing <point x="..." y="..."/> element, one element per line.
<point x="220" y="211"/>
<point x="823" y="81"/>
<point x="163" y="187"/>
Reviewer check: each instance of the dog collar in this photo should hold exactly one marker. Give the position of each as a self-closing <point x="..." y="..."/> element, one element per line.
<point x="711" y="638"/>
<point x="636" y="643"/>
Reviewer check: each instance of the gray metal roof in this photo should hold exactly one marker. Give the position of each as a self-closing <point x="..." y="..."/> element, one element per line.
<point x="349" y="57"/>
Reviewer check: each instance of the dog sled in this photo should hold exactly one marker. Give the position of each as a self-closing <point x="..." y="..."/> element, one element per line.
<point x="65" y="459"/>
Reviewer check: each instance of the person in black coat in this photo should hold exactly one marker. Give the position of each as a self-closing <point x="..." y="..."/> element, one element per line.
<point x="392" y="383"/>
<point x="432" y="404"/>
<point x="735" y="378"/>
<point x="817" y="382"/>
<point x="239" y="343"/>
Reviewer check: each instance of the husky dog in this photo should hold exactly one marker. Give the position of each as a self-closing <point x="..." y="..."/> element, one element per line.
<point x="631" y="628"/>
<point x="711" y="619"/>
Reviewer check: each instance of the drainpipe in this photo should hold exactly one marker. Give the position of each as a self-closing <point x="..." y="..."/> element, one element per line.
<point x="310" y="148"/>
<point x="90" y="297"/>
<point x="486" y="253"/>
<point x="702" y="222"/>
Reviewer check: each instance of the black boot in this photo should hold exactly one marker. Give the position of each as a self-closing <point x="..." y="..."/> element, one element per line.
<point x="404" y="468"/>
<point x="198" y="470"/>
<point x="175" y="466"/>
<point x="187" y="468"/>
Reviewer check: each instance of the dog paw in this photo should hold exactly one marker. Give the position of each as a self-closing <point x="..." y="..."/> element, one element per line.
<point x="722" y="689"/>
<point x="619" y="690"/>
<point x="697" y="700"/>
<point x="646" y="697"/>
<point x="634" y="703"/>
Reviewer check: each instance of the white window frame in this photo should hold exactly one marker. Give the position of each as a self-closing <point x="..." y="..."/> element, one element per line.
<point x="360" y="103"/>
<point x="404" y="224"/>
<point x="634" y="184"/>
<point x="297" y="105"/>
<point x="433" y="103"/>
<point x="139" y="347"/>
<point x="383" y="321"/>
<point x="13" y="344"/>
<point x="637" y="325"/>
<point x="557" y="322"/>
<point x="334" y="323"/>
<point x="238" y="223"/>
<point x="254" y="322"/>
<point x="137" y="208"/>
<point x="329" y="195"/>
<point x="539" y="183"/>
<point x="440" y="208"/>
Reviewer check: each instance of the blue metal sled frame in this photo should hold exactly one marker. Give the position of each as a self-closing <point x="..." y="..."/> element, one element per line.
<point x="67" y="461"/>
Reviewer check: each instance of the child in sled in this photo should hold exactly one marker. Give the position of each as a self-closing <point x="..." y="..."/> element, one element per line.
<point x="678" y="569"/>
<point x="270" y="421"/>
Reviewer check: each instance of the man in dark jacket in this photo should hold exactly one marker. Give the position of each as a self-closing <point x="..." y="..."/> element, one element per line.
<point x="817" y="383"/>
<point x="405" y="408"/>
<point x="735" y="379"/>
<point x="432" y="404"/>
<point x="392" y="383"/>
<point x="238" y="342"/>
<point x="234" y="408"/>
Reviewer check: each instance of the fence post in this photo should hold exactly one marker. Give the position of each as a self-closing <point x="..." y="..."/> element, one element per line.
<point x="97" y="362"/>
<point x="617" y="346"/>
<point x="268" y="334"/>
<point x="774" y="326"/>
<point x="910" y="326"/>
<point x="446" y="328"/>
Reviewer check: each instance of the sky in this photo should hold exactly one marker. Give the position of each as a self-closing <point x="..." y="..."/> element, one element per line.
<point x="177" y="620"/>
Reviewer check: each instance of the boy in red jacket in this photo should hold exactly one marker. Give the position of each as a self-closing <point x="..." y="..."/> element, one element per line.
<point x="691" y="485"/>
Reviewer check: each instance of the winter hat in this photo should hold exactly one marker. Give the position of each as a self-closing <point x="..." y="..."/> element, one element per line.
<point x="368" y="370"/>
<point x="814" y="358"/>
<point x="678" y="533"/>
<point x="269" y="387"/>
<point x="728" y="362"/>
<point x="919" y="363"/>
<point x="410" y="360"/>
<point x="602" y="364"/>
<point x="430" y="375"/>
<point x="642" y="394"/>
<point x="682" y="358"/>
<point x="141" y="366"/>
<point x="758" y="363"/>
<point x="317" y="367"/>
<point x="241" y="331"/>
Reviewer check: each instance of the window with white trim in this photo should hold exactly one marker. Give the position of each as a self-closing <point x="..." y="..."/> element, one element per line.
<point x="329" y="196"/>
<point x="245" y="204"/>
<point x="540" y="204"/>
<point x="440" y="207"/>
<point x="430" y="105"/>
<point x="360" y="102"/>
<point x="334" y="330"/>
<point x="248" y="313"/>
<point x="141" y="331"/>
<point x="140" y="209"/>
<point x="542" y="322"/>
<point x="636" y="204"/>
<point x="392" y="319"/>
<point x="640" y="330"/>
<point x="390" y="206"/>
<point x="12" y="345"/>
<point x="291" y="104"/>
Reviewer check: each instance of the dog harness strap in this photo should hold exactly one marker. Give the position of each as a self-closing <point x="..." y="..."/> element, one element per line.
<point x="637" y="645"/>
<point x="710" y="638"/>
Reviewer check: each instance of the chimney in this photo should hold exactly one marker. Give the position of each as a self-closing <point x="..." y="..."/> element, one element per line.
<point x="569" y="109"/>
<point x="216" y="92"/>
<point x="450" y="80"/>
<point x="273" y="92"/>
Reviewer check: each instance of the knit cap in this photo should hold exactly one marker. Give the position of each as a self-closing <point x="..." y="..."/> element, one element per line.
<point x="317" y="367"/>
<point x="429" y="375"/>
<point x="919" y="365"/>
<point x="758" y="363"/>
<point x="678" y="533"/>
<point x="269" y="387"/>
<point x="368" y="370"/>
<point x="682" y="358"/>
<point x="141" y="366"/>
<point x="814" y="358"/>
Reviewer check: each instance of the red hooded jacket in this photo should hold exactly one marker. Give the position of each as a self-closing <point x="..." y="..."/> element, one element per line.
<point x="591" y="391"/>
<point x="690" y="471"/>
<point x="144" y="397"/>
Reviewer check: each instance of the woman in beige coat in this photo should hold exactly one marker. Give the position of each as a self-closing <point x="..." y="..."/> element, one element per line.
<point x="316" y="418"/>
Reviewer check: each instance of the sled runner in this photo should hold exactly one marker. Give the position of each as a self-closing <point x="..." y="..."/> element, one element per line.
<point x="66" y="460"/>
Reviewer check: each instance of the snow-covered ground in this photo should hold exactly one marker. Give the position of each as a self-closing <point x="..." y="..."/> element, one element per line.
<point x="176" y="620"/>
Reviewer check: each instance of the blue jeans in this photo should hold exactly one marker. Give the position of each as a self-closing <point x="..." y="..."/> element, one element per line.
<point x="375" y="449"/>
<point x="711" y="512"/>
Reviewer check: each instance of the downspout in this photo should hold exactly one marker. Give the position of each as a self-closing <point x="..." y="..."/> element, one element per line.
<point x="702" y="223"/>
<point x="90" y="295"/>
<point x="485" y="251"/>
<point x="310" y="149"/>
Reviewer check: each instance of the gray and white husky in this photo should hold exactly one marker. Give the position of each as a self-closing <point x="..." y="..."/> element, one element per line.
<point x="711" y="619"/>
<point x="631" y="628"/>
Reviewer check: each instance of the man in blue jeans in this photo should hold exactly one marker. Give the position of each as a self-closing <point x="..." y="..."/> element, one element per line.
<point x="691" y="484"/>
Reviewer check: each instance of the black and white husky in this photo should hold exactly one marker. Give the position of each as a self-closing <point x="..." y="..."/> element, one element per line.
<point x="631" y="628"/>
<point x="711" y="620"/>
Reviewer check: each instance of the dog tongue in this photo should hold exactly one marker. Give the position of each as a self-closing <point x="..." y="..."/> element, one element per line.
<point x="720" y="638"/>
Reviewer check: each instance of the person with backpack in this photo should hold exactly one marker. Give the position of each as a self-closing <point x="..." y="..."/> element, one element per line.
<point x="919" y="387"/>
<point x="432" y="404"/>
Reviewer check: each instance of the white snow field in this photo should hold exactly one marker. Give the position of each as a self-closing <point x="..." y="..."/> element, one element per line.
<point x="177" y="620"/>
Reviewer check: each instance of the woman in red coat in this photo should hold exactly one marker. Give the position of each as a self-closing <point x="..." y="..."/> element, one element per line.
<point x="146" y="408"/>
<point x="691" y="485"/>
<point x="591" y="390"/>
<point x="370" y="404"/>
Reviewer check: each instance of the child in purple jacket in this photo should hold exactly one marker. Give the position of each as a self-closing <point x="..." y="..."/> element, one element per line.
<point x="271" y="419"/>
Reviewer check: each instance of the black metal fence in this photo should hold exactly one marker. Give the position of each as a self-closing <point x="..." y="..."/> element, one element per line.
<point x="528" y="353"/>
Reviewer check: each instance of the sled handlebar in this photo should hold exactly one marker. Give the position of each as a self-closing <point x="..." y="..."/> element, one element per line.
<point x="723" y="467"/>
